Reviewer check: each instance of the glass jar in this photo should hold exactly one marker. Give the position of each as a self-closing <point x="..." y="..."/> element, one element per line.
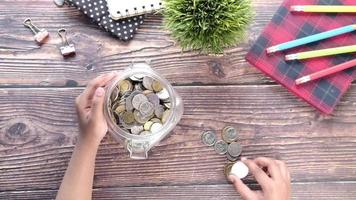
<point x="139" y="145"/>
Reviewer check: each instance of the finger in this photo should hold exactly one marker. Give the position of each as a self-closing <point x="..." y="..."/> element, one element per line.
<point x="261" y="177"/>
<point x="272" y="166"/>
<point x="78" y="105"/>
<point x="99" y="81"/>
<point x="98" y="104"/>
<point x="284" y="169"/>
<point x="245" y="192"/>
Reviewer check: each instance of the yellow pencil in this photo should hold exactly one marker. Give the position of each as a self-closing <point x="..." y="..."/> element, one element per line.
<point x="323" y="8"/>
<point x="322" y="52"/>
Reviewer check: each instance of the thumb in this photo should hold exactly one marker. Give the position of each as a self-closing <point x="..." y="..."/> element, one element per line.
<point x="245" y="192"/>
<point x="98" y="103"/>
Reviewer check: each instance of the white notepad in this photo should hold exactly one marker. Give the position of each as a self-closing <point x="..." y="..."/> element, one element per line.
<point x="119" y="9"/>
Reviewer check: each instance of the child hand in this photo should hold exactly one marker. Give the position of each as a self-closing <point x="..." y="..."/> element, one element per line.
<point x="89" y="105"/>
<point x="275" y="182"/>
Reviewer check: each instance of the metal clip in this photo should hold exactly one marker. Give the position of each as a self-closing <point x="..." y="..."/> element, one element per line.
<point x="40" y="34"/>
<point x="66" y="48"/>
<point x="59" y="3"/>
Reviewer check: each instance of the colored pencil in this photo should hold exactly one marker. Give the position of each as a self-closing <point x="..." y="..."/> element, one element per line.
<point x="324" y="8"/>
<point x="322" y="52"/>
<point x="312" y="38"/>
<point x="326" y="72"/>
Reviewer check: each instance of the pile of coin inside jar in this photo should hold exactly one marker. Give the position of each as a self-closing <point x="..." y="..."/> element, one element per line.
<point x="227" y="146"/>
<point x="140" y="105"/>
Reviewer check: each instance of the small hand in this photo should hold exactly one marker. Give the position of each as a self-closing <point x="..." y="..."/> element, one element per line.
<point x="275" y="182"/>
<point x="89" y="105"/>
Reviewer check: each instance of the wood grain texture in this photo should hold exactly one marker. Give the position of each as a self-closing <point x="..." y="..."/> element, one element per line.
<point x="23" y="63"/>
<point x="38" y="128"/>
<point x="38" y="125"/>
<point x="301" y="191"/>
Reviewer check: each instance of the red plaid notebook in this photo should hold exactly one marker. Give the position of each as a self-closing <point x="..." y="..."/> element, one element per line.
<point x="325" y="93"/>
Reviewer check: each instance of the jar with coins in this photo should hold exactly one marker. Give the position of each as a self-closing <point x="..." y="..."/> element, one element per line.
<point x="141" y="108"/>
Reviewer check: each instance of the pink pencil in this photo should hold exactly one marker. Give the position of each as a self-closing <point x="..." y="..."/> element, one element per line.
<point x="326" y="72"/>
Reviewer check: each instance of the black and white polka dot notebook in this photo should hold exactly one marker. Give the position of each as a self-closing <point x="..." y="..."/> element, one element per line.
<point x="98" y="12"/>
<point x="120" y="10"/>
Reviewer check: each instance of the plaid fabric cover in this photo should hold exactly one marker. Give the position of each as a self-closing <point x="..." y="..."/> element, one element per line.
<point x="97" y="11"/>
<point x="325" y="93"/>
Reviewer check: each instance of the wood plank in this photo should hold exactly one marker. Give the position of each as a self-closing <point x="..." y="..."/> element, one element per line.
<point x="23" y="63"/>
<point x="38" y="129"/>
<point x="302" y="191"/>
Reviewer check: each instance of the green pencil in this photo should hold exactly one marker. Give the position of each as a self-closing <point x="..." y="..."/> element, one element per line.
<point x="322" y="52"/>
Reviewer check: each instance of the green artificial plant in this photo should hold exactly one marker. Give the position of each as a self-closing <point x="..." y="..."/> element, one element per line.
<point x="207" y="25"/>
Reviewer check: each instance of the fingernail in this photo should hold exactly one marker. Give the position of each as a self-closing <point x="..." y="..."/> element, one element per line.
<point x="231" y="178"/>
<point x="243" y="158"/>
<point x="99" y="92"/>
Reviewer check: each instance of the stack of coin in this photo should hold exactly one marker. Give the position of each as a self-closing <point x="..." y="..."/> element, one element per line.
<point x="238" y="169"/>
<point x="140" y="105"/>
<point x="234" y="149"/>
<point x="227" y="145"/>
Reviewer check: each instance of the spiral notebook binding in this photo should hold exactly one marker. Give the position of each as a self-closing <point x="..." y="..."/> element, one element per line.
<point x="133" y="11"/>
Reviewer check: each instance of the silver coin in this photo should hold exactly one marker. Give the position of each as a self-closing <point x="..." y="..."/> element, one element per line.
<point x="146" y="108"/>
<point x="140" y="118"/>
<point x="125" y="95"/>
<point x="231" y="158"/>
<point x="128" y="101"/>
<point x="153" y="98"/>
<point x="137" y="77"/>
<point x="156" y="127"/>
<point x="220" y="147"/>
<point x="136" y="130"/>
<point x="208" y="137"/>
<point x="145" y="133"/>
<point x="229" y="134"/>
<point x="234" y="149"/>
<point x="139" y="87"/>
<point x="239" y="169"/>
<point x="125" y="125"/>
<point x="137" y="100"/>
<point x="147" y="82"/>
<point x="163" y="94"/>
<point x="159" y="110"/>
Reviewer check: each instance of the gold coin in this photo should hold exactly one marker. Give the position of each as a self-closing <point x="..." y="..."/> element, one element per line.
<point x="114" y="105"/>
<point x="147" y="82"/>
<point x="229" y="134"/>
<point x="227" y="169"/>
<point x="128" y="117"/>
<point x="156" y="120"/>
<point x="165" y="115"/>
<point x="121" y="108"/>
<point x="125" y="86"/>
<point x="147" y="125"/>
<point x="146" y="92"/>
<point x="167" y="105"/>
<point x="156" y="86"/>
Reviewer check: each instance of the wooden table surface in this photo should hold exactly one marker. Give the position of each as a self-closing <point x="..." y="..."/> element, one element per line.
<point x="38" y="124"/>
